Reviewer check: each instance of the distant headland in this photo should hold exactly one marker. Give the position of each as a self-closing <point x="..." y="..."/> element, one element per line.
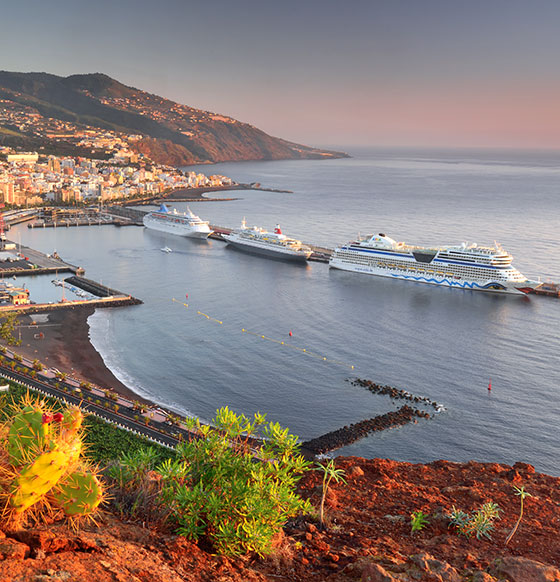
<point x="57" y="115"/>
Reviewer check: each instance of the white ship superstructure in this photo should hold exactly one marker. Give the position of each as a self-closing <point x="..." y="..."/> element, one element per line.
<point x="273" y="244"/>
<point x="180" y="223"/>
<point x="464" y="266"/>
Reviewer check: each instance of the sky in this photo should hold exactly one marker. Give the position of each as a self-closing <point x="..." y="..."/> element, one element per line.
<point x="429" y="73"/>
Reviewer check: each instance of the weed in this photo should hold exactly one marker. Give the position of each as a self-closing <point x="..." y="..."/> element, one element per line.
<point x="330" y="472"/>
<point x="522" y="494"/>
<point x="479" y="524"/>
<point x="418" y="521"/>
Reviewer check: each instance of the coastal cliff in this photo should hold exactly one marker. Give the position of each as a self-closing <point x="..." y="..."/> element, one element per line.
<point x="165" y="131"/>
<point x="368" y="534"/>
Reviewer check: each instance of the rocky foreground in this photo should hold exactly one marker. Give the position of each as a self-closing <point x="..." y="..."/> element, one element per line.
<point x="368" y="537"/>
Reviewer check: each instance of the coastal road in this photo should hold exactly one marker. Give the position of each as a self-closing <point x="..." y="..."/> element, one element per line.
<point x="159" y="433"/>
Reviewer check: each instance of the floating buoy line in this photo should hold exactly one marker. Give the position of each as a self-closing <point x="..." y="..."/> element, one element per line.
<point x="273" y="340"/>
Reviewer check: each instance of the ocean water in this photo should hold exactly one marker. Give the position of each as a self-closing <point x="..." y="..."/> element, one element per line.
<point x="445" y="344"/>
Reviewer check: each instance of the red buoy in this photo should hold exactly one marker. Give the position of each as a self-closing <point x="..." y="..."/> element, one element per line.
<point x="290" y="334"/>
<point x="490" y="384"/>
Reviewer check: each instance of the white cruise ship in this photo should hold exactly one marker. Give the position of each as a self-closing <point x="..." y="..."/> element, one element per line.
<point x="462" y="266"/>
<point x="273" y="244"/>
<point x="180" y="223"/>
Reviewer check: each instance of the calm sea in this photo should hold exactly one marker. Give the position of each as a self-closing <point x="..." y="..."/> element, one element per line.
<point x="445" y="344"/>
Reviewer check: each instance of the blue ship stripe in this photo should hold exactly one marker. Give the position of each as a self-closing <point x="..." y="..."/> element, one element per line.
<point x="464" y="285"/>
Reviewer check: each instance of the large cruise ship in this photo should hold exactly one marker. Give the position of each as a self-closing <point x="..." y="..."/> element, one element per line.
<point x="464" y="266"/>
<point x="273" y="244"/>
<point x="180" y="223"/>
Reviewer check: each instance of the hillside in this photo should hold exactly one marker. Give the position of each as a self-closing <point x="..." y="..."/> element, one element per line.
<point x="167" y="132"/>
<point x="368" y="537"/>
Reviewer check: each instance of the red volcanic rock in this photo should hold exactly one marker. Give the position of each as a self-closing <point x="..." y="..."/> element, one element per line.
<point x="518" y="569"/>
<point x="11" y="549"/>
<point x="368" y="535"/>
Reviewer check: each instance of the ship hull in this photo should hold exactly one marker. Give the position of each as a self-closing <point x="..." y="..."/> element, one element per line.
<point x="179" y="229"/>
<point x="489" y="285"/>
<point x="280" y="254"/>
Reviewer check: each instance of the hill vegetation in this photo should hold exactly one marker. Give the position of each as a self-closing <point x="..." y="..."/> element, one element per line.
<point x="168" y="132"/>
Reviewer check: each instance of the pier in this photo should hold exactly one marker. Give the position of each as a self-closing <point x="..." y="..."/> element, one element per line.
<point x="134" y="216"/>
<point x="68" y="217"/>
<point x="29" y="261"/>
<point x="126" y="216"/>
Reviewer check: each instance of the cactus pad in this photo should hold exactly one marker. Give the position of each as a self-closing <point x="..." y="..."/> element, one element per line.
<point x="37" y="479"/>
<point x="80" y="494"/>
<point x="27" y="431"/>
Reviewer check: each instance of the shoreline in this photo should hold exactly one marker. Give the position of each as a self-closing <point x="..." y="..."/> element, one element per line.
<point x="66" y="345"/>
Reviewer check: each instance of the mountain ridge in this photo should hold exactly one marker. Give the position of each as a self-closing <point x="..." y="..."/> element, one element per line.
<point x="169" y="132"/>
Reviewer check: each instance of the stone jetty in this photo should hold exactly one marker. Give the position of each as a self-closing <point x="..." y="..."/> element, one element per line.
<point x="349" y="434"/>
<point x="395" y="393"/>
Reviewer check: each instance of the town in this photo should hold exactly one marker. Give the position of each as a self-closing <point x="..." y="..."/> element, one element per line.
<point x="112" y="171"/>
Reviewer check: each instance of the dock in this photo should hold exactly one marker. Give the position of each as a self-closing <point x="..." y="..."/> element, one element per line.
<point x="27" y="261"/>
<point x="126" y="216"/>
<point x="24" y="261"/>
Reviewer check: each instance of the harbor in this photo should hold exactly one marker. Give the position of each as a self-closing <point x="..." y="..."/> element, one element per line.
<point x="20" y="260"/>
<point x="169" y="354"/>
<point x="74" y="217"/>
<point x="123" y="215"/>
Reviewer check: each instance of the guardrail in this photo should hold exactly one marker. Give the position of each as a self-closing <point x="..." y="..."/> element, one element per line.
<point x="148" y="433"/>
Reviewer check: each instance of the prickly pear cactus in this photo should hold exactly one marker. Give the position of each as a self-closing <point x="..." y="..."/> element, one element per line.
<point x="41" y="463"/>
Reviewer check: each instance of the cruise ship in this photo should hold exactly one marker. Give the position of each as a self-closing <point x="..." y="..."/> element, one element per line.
<point x="180" y="223"/>
<point x="272" y="244"/>
<point x="464" y="266"/>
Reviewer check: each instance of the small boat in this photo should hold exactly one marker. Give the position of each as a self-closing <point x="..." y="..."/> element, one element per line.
<point x="166" y="250"/>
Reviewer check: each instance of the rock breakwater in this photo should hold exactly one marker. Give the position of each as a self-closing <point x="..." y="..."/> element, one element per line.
<point x="395" y="393"/>
<point x="349" y="434"/>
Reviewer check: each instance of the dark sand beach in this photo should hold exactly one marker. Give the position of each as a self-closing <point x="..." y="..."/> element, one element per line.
<point x="65" y="345"/>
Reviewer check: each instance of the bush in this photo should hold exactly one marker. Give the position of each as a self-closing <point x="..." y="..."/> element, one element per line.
<point x="480" y="523"/>
<point x="218" y="491"/>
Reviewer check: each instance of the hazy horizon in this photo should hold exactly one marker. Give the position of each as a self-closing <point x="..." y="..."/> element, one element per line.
<point x="371" y="73"/>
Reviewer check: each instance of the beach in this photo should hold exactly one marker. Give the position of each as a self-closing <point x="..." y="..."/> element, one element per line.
<point x="60" y="339"/>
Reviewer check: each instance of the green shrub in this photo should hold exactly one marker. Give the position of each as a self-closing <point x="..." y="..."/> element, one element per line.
<point x="218" y="490"/>
<point x="418" y="521"/>
<point x="480" y="523"/>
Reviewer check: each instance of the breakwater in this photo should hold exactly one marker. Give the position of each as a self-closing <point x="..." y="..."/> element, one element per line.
<point x="349" y="434"/>
<point x="395" y="393"/>
<point x="93" y="287"/>
<point x="30" y="308"/>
